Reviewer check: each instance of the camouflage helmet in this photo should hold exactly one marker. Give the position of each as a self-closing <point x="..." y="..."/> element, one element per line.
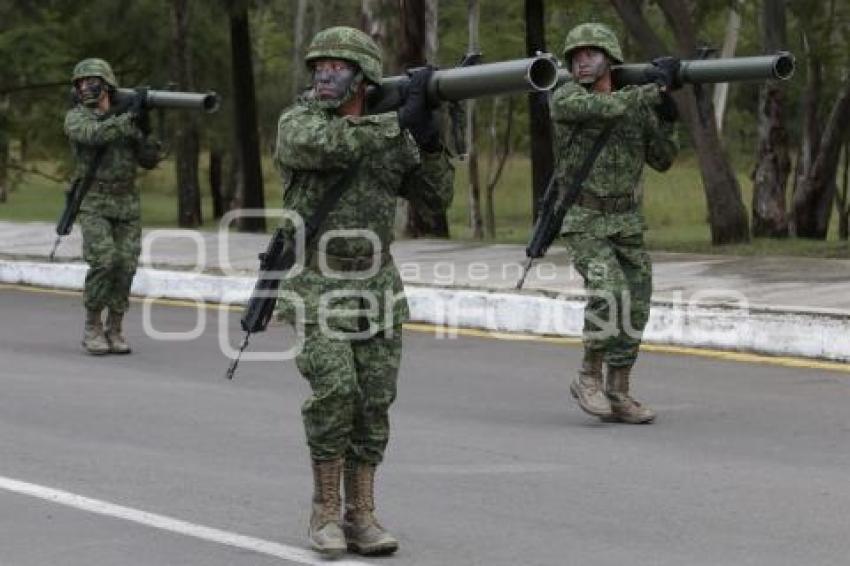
<point x="349" y="44"/>
<point x="93" y="67"/>
<point x="595" y="35"/>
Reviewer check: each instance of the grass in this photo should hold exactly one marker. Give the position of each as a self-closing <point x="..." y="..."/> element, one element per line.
<point x="38" y="198"/>
<point x="674" y="205"/>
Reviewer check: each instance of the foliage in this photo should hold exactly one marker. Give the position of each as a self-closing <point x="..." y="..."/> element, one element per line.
<point x="41" y="41"/>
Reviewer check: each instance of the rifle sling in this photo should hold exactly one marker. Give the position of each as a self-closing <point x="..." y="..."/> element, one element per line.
<point x="329" y="200"/>
<point x="570" y="196"/>
<point x="91" y="171"/>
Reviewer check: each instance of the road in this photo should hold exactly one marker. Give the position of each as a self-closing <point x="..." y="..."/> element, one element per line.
<point x="155" y="459"/>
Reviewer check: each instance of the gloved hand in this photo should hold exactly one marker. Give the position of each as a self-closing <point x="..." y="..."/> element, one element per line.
<point x="120" y="105"/>
<point x="416" y="116"/>
<point x="139" y="109"/>
<point x="667" y="110"/>
<point x="664" y="72"/>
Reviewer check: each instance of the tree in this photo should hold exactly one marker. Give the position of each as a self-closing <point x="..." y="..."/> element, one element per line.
<point x="727" y="215"/>
<point x="187" y="138"/>
<point x="824" y="29"/>
<point x="816" y="190"/>
<point x="730" y="40"/>
<point x="245" y="115"/>
<point x="498" y="155"/>
<point x="841" y="200"/>
<point x="4" y="148"/>
<point x="475" y="220"/>
<point x="773" y="160"/>
<point x="418" y="32"/>
<point x="298" y="47"/>
<point x="540" y="124"/>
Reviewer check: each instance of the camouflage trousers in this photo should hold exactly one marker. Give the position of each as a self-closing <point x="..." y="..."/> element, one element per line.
<point x="111" y="248"/>
<point x="617" y="276"/>
<point x="353" y="384"/>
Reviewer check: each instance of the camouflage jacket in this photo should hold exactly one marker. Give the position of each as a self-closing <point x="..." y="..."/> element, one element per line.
<point x="126" y="147"/>
<point x="638" y="137"/>
<point x="377" y="162"/>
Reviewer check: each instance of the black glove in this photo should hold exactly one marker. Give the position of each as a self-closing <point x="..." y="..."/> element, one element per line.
<point x="666" y="110"/>
<point x="149" y="152"/>
<point x="416" y="116"/>
<point x="664" y="72"/>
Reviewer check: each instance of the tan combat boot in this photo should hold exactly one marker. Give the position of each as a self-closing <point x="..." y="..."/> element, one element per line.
<point x="362" y="531"/>
<point x="325" y="533"/>
<point x="588" y="389"/>
<point x="94" y="341"/>
<point x="117" y="343"/>
<point x="623" y="407"/>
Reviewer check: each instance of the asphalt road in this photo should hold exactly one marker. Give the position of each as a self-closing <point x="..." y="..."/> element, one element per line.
<point x="490" y="463"/>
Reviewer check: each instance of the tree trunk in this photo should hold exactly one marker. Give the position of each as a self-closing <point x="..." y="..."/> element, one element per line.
<point x="773" y="156"/>
<point x="371" y="21"/>
<point x="317" y="22"/>
<point x="245" y="113"/>
<point x="4" y="148"/>
<point x="496" y="164"/>
<point x="298" y="48"/>
<point x="186" y="137"/>
<point x="802" y="215"/>
<point x="816" y="191"/>
<point x="475" y="221"/>
<point x="216" y="183"/>
<point x="727" y="215"/>
<point x="414" y="15"/>
<point x="540" y="123"/>
<point x="844" y="205"/>
<point x="721" y="90"/>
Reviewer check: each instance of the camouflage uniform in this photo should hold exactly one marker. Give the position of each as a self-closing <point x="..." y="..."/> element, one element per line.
<point x="353" y="379"/>
<point x="604" y="230"/>
<point x="109" y="214"/>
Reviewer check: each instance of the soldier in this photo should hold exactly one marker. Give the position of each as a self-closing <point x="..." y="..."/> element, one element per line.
<point x="604" y="230"/>
<point x="109" y="214"/>
<point x="326" y="143"/>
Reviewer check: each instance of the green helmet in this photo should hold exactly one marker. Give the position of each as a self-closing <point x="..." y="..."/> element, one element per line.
<point x="94" y="68"/>
<point x="349" y="44"/>
<point x="595" y="35"/>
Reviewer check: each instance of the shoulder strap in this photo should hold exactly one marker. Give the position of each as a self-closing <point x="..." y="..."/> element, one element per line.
<point x="329" y="200"/>
<point x="85" y="183"/>
<point x="573" y="191"/>
<point x="93" y="165"/>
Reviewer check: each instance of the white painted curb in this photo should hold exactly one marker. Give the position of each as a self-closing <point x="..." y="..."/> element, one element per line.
<point x="808" y="333"/>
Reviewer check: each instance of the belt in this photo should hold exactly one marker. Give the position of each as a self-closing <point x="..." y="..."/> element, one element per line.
<point x="113" y="187"/>
<point x="608" y="204"/>
<point x="347" y="263"/>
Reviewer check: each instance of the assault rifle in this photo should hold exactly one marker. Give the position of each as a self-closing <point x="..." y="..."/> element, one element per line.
<point x="278" y="257"/>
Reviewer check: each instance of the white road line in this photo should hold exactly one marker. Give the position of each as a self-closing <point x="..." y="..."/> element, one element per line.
<point x="178" y="526"/>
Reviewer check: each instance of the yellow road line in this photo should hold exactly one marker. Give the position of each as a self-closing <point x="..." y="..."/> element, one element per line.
<point x="726" y="355"/>
<point x="160" y="301"/>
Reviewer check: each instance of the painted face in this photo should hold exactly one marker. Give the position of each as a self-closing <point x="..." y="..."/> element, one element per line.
<point x="90" y="90"/>
<point x="588" y="64"/>
<point x="332" y="78"/>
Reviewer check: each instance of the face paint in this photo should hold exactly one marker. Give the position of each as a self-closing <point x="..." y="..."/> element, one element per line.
<point x="90" y="89"/>
<point x="332" y="79"/>
<point x="588" y="65"/>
